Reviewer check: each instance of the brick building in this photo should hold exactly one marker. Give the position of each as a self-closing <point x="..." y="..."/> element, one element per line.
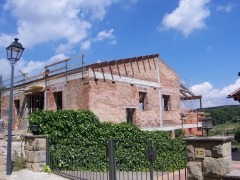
<point x="143" y="90"/>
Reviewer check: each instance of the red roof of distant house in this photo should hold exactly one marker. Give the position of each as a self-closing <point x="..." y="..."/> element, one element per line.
<point x="235" y="95"/>
<point x="187" y="110"/>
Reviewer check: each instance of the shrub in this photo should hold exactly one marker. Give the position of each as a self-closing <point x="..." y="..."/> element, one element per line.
<point x="179" y="133"/>
<point x="81" y="136"/>
<point x="237" y="136"/>
<point x="19" y="162"/>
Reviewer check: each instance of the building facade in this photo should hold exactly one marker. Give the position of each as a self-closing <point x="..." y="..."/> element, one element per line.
<point x="143" y="90"/>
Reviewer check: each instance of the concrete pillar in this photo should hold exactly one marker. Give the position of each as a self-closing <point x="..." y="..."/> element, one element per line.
<point x="173" y="134"/>
<point x="208" y="157"/>
<point x="35" y="148"/>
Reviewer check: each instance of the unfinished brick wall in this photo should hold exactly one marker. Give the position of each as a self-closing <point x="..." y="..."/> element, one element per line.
<point x="5" y="108"/>
<point x="109" y="98"/>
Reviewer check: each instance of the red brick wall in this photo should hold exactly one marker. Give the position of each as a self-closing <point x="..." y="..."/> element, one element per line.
<point x="5" y="108"/>
<point x="111" y="100"/>
<point x="74" y="95"/>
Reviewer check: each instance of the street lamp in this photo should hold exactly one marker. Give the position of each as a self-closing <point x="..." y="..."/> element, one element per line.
<point x="14" y="52"/>
<point x="207" y="124"/>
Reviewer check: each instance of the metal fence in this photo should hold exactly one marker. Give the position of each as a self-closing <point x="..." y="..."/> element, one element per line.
<point x="119" y="159"/>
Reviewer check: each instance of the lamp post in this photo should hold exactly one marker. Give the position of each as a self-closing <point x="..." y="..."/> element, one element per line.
<point x="14" y="52"/>
<point x="207" y="124"/>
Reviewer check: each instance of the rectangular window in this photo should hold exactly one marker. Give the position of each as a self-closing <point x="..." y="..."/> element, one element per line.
<point x="166" y="102"/>
<point x="142" y="100"/>
<point x="130" y="115"/>
<point x="58" y="99"/>
<point x="17" y="106"/>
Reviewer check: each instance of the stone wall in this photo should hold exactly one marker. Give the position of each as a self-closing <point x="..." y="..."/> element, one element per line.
<point x="208" y="157"/>
<point x="17" y="147"/>
<point x="35" y="149"/>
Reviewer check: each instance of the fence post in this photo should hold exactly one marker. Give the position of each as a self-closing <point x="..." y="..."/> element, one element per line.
<point x="151" y="161"/>
<point x="112" y="160"/>
<point x="48" y="151"/>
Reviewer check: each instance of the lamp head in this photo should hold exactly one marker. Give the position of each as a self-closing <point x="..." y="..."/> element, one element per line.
<point x="14" y="51"/>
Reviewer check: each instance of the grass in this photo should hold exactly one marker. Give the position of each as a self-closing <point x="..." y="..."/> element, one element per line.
<point x="19" y="162"/>
<point x="219" y="129"/>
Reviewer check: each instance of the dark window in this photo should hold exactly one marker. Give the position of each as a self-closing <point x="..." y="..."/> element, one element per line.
<point x="17" y="106"/>
<point x="166" y="102"/>
<point x="58" y="99"/>
<point x="130" y="113"/>
<point x="142" y="100"/>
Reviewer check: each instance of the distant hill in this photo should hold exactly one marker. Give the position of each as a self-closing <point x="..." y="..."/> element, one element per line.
<point x="221" y="114"/>
<point x="218" y="107"/>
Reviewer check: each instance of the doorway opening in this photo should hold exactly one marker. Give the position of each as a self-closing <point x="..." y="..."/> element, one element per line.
<point x="130" y="114"/>
<point x="58" y="100"/>
<point x="35" y="102"/>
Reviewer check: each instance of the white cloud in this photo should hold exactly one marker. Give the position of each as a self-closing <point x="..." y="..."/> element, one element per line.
<point x="31" y="67"/>
<point x="106" y="35"/>
<point x="133" y="1"/>
<point x="86" y="45"/>
<point x="227" y="8"/>
<point x="44" y="21"/>
<point x="188" y="16"/>
<point x="215" y="97"/>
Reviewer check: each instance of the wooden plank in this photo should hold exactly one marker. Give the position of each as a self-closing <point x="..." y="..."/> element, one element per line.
<point x="118" y="62"/>
<point x="138" y="58"/>
<point x="94" y="66"/>
<point x="59" y="62"/>
<point x="62" y="61"/>
<point x="126" y="60"/>
<point x="184" y="94"/>
<point x="14" y="78"/>
<point x="104" y="64"/>
<point x="112" y="63"/>
<point x="132" y="59"/>
<point x="192" y="98"/>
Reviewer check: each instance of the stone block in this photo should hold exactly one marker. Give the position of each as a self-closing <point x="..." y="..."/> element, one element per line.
<point x="217" y="167"/>
<point x="222" y="150"/>
<point x="29" y="143"/>
<point x="190" y="153"/>
<point x="208" y="153"/>
<point x="194" y="171"/>
<point x="36" y="156"/>
<point x="39" y="144"/>
<point x="36" y="167"/>
<point x="2" y="168"/>
<point x="3" y="160"/>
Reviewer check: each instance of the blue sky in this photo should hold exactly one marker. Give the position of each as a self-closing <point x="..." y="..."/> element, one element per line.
<point x="199" y="39"/>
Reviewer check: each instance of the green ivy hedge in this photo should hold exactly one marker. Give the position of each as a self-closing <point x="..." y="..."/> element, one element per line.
<point x="79" y="142"/>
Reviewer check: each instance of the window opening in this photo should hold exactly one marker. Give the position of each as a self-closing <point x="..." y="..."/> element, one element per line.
<point x="166" y="102"/>
<point x="58" y="99"/>
<point x="17" y="106"/>
<point x="35" y="102"/>
<point x="142" y="100"/>
<point x="130" y="112"/>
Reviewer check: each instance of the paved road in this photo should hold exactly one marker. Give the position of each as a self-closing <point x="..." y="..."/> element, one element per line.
<point x="29" y="175"/>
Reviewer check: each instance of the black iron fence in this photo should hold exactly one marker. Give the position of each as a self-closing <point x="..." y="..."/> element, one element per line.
<point x="119" y="159"/>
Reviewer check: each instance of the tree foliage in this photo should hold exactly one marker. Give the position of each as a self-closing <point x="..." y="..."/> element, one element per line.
<point x="224" y="113"/>
<point x="237" y="136"/>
